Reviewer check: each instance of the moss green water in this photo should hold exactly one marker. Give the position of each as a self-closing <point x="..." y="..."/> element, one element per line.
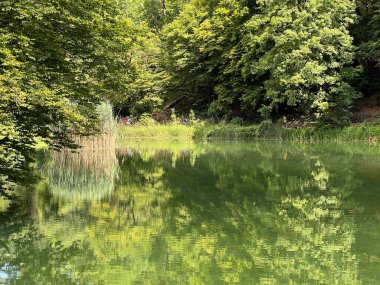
<point x="209" y="213"/>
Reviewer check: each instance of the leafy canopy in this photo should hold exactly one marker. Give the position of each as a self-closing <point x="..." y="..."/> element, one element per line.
<point x="57" y="60"/>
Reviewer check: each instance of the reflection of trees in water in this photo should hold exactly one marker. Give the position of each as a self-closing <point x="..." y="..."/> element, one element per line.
<point x="28" y="257"/>
<point x="119" y="231"/>
<point x="86" y="175"/>
<point x="267" y="221"/>
<point x="254" y="215"/>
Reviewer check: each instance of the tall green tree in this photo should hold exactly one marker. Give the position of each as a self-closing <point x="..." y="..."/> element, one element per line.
<point x="301" y="54"/>
<point x="196" y="43"/>
<point x="267" y="58"/>
<point x="57" y="60"/>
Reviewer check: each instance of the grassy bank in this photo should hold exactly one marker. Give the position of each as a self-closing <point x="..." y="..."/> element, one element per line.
<point x="170" y="131"/>
<point x="362" y="132"/>
<point x="264" y="131"/>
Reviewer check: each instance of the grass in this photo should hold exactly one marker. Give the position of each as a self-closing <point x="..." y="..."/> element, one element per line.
<point x="362" y="132"/>
<point x="86" y="175"/>
<point x="170" y="131"/>
<point x="263" y="131"/>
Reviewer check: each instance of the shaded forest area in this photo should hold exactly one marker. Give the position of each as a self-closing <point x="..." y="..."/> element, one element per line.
<point x="260" y="60"/>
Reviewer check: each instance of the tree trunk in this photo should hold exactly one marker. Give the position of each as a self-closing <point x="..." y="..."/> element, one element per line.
<point x="163" y="6"/>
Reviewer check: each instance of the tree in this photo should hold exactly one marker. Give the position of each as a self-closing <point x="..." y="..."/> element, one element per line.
<point x="268" y="57"/>
<point x="304" y="52"/>
<point x="58" y="59"/>
<point x="147" y="89"/>
<point x="367" y="37"/>
<point x="196" y="42"/>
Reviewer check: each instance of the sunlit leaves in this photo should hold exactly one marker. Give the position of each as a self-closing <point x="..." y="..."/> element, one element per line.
<point x="57" y="60"/>
<point x="266" y="59"/>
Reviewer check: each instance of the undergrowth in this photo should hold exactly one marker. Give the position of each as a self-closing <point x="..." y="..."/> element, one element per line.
<point x="263" y="131"/>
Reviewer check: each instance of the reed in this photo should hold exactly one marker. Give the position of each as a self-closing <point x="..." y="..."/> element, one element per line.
<point x="87" y="175"/>
<point x="106" y="138"/>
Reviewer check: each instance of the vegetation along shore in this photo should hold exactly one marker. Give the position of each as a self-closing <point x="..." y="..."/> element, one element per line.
<point x="246" y="68"/>
<point x="264" y="131"/>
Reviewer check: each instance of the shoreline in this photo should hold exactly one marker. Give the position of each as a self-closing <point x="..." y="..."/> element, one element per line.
<point x="263" y="132"/>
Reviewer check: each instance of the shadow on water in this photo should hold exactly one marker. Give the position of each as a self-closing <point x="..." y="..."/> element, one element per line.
<point x="207" y="213"/>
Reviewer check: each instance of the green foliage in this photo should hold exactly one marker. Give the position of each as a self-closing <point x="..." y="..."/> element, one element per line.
<point x="370" y="48"/>
<point x="153" y="12"/>
<point x="193" y="121"/>
<point x="199" y="58"/>
<point x="266" y="58"/>
<point x="266" y="130"/>
<point x="145" y="91"/>
<point x="173" y="116"/>
<point x="57" y="59"/>
<point x="367" y="36"/>
<point x="146" y="120"/>
<point x="308" y="62"/>
<point x="225" y="59"/>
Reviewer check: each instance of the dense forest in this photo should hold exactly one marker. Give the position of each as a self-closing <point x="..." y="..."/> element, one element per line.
<point x="223" y="59"/>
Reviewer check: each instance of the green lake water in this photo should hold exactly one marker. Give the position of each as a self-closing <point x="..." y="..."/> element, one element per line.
<point x="208" y="213"/>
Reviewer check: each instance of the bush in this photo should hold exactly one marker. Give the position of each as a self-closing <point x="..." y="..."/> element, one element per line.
<point x="237" y="121"/>
<point x="146" y="120"/>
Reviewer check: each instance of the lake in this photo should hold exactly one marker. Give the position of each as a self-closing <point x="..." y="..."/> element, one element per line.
<point x="198" y="213"/>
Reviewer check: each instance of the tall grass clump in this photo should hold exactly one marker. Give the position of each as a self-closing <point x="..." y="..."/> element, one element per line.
<point x="4" y="204"/>
<point x="86" y="175"/>
<point x="107" y="126"/>
<point x="90" y="172"/>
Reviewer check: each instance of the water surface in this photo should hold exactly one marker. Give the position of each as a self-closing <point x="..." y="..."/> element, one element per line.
<point x="209" y="213"/>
